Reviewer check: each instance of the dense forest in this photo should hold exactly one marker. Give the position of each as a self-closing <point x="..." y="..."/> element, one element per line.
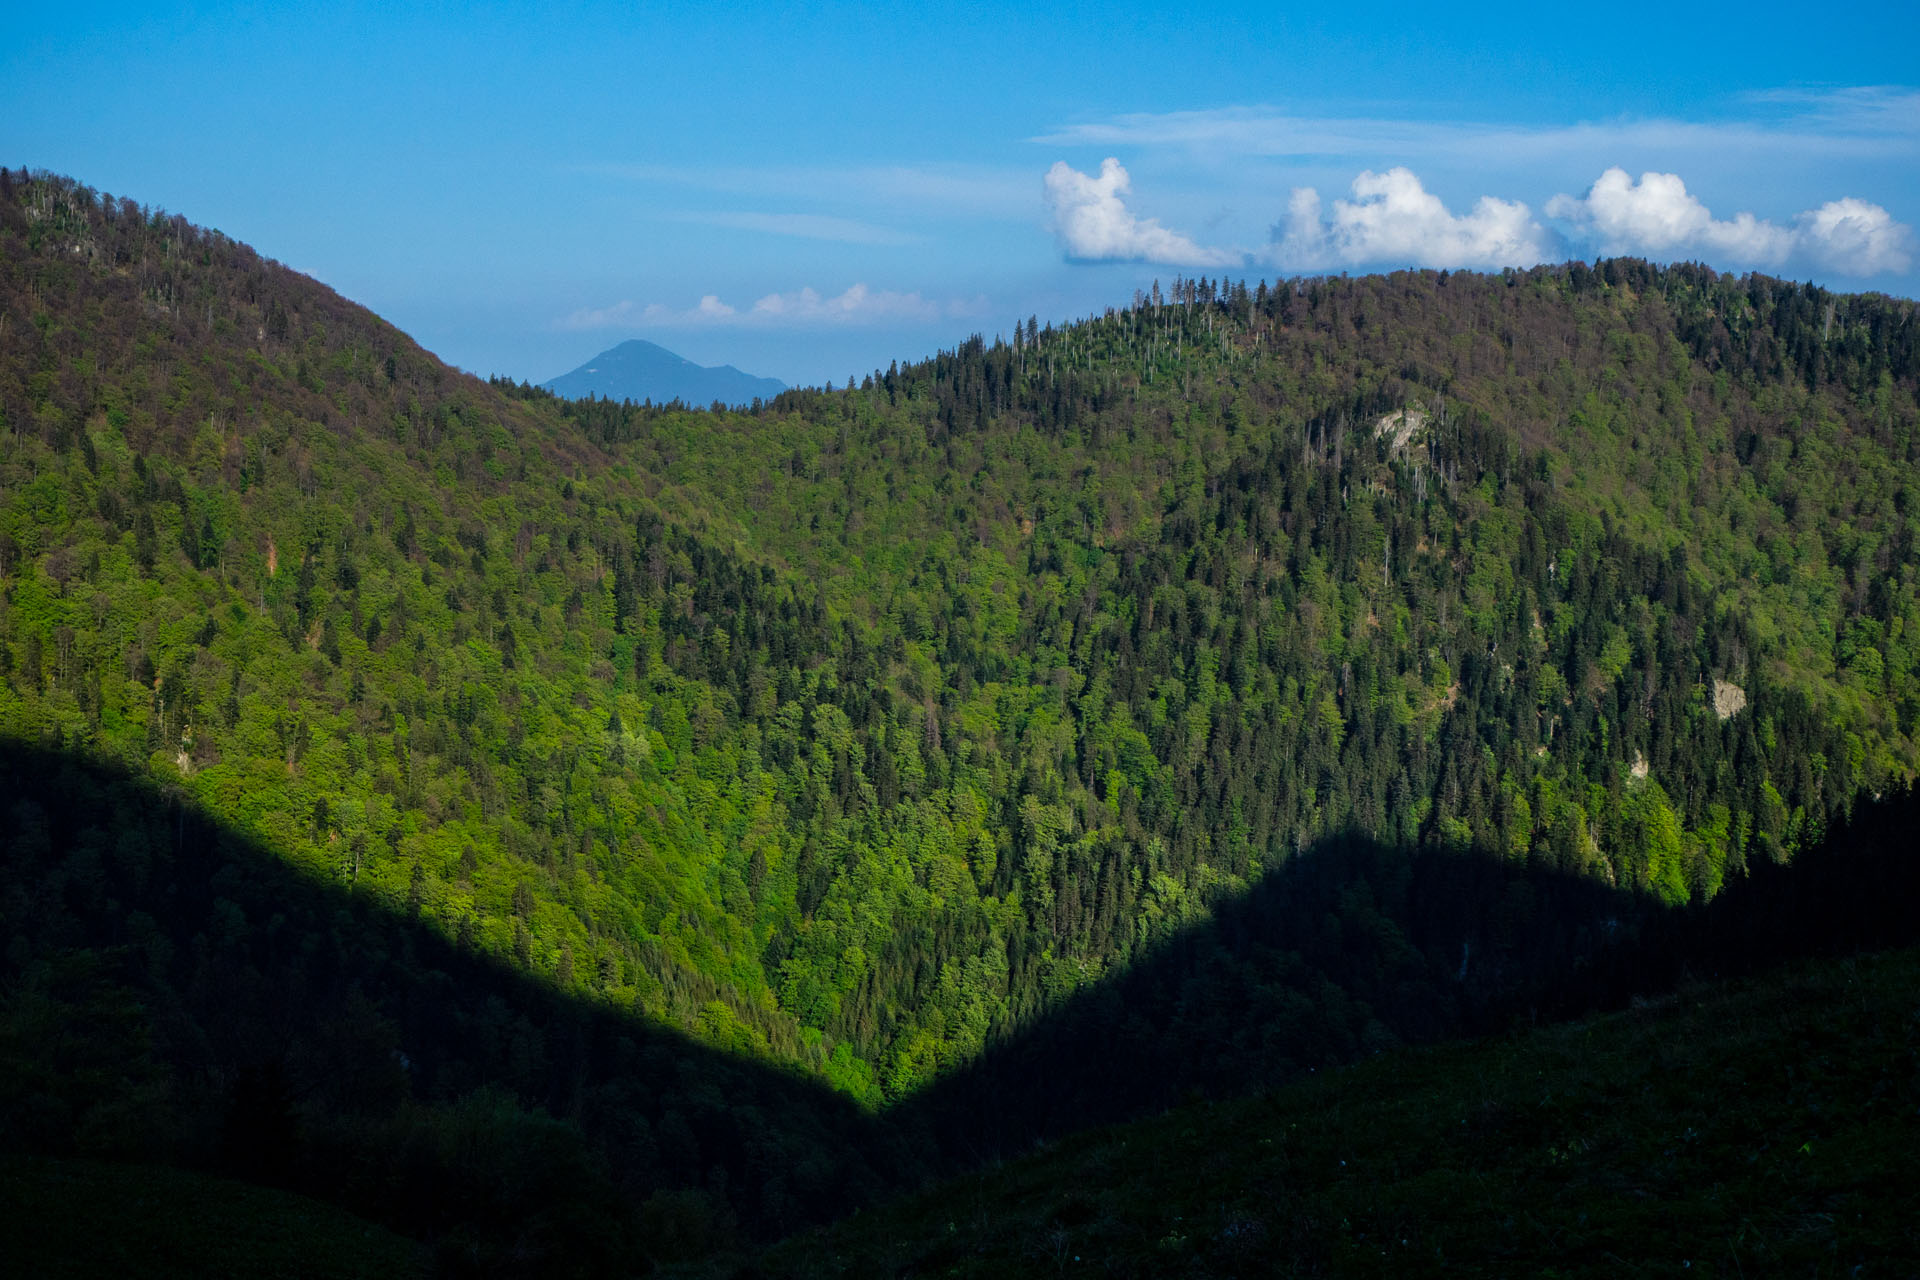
<point x="851" y="738"/>
<point x="1761" y="1127"/>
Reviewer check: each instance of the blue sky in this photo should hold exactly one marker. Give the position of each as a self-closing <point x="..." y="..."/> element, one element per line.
<point x="810" y="196"/>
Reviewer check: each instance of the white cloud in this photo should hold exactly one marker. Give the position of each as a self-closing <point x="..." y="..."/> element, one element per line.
<point x="1859" y="123"/>
<point x="1657" y="217"/>
<point x="801" y="308"/>
<point x="858" y="305"/>
<point x="1394" y="219"/>
<point x="625" y="314"/>
<point x="1094" y="225"/>
<point x="1889" y="110"/>
<point x="1854" y="238"/>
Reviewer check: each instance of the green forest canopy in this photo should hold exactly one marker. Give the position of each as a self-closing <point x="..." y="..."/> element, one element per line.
<point x="858" y="730"/>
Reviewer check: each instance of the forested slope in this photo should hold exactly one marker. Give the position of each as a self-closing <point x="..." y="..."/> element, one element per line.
<point x="1758" y="1128"/>
<point x="258" y="543"/>
<point x="1609" y="572"/>
<point x="860" y="731"/>
<point x="177" y="994"/>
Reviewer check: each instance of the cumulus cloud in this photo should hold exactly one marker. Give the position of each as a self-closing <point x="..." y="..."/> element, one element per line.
<point x="1854" y="238"/>
<point x="1657" y="217"/>
<point x="1094" y="224"/>
<point x="1392" y="218"/>
<point x="801" y="308"/>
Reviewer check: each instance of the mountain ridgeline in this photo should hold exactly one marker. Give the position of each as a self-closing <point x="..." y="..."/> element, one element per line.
<point x="859" y="738"/>
<point x="646" y="373"/>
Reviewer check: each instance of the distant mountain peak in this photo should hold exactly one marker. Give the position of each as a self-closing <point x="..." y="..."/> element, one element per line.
<point x="640" y="370"/>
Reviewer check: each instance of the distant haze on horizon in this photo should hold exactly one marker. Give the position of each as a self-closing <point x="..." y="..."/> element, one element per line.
<point x="813" y="196"/>
<point x="642" y="371"/>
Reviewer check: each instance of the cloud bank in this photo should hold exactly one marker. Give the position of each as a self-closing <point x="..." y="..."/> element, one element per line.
<point x="802" y="308"/>
<point x="1093" y="224"/>
<point x="1393" y="218"/>
<point x="1657" y="217"/>
<point x="1853" y="237"/>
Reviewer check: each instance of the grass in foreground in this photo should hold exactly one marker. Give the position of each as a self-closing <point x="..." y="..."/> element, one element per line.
<point x="1769" y="1127"/>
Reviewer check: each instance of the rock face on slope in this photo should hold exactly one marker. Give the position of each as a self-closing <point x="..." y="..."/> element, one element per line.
<point x="639" y="371"/>
<point x="1728" y="698"/>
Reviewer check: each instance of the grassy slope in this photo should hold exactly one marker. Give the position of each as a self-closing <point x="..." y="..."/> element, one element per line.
<point x="1765" y="1127"/>
<point x="84" y="1218"/>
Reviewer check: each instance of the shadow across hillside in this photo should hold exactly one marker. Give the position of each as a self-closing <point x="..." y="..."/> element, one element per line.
<point x="173" y="991"/>
<point x="1353" y="947"/>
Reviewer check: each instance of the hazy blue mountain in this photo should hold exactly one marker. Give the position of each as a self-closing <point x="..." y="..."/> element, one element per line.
<point x="638" y="370"/>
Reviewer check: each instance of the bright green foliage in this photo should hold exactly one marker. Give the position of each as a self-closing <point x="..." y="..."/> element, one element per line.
<point x="863" y="728"/>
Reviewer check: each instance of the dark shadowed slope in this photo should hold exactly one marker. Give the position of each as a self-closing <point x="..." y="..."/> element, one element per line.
<point x="75" y="1219"/>
<point x="639" y="371"/>
<point x="173" y="991"/>
<point x="1766" y="1121"/>
<point x="1769" y="1126"/>
<point x="1353" y="948"/>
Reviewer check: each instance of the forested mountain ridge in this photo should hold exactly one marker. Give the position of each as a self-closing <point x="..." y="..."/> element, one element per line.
<point x="859" y="731"/>
<point x="1097" y="633"/>
<point x="1652" y="526"/>
<point x="271" y="504"/>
